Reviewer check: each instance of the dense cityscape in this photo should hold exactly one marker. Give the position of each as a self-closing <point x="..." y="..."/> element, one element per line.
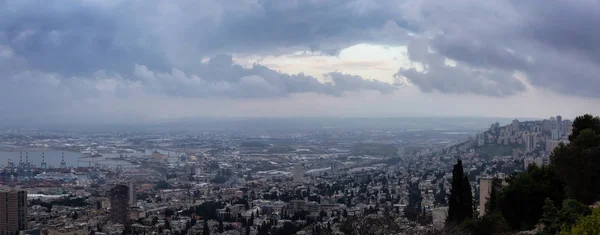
<point x="311" y="182"/>
<point x="299" y="117"/>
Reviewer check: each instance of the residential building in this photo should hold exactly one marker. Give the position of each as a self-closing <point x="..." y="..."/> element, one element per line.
<point x="119" y="204"/>
<point x="13" y="212"/>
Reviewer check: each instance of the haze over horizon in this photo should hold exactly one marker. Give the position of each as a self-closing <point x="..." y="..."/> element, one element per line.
<point x="122" y="62"/>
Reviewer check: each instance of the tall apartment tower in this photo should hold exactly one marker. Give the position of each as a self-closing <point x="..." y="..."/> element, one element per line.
<point x="131" y="193"/>
<point x="119" y="204"/>
<point x="559" y="125"/>
<point x="298" y="173"/>
<point x="516" y="125"/>
<point x="13" y="212"/>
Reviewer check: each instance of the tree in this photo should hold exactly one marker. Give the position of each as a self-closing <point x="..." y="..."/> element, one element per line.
<point x="522" y="200"/>
<point x="550" y="217"/>
<point x="578" y="164"/>
<point x="205" y="229"/>
<point x="169" y="212"/>
<point x="251" y="221"/>
<point x="467" y="198"/>
<point x="585" y="122"/>
<point x="221" y="229"/>
<point x="413" y="211"/>
<point x="572" y="210"/>
<point x="461" y="197"/>
<point x="379" y="225"/>
<point x="586" y="225"/>
<point x="322" y="215"/>
<point x="162" y="185"/>
<point x="440" y="198"/>
<point x="492" y="223"/>
<point x="492" y="203"/>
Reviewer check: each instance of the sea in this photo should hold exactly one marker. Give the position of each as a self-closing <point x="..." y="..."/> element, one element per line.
<point x="54" y="158"/>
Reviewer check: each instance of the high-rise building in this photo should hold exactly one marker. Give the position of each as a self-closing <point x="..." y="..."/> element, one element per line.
<point x="538" y="161"/>
<point x="527" y="162"/>
<point x="530" y="140"/>
<point x="131" y="194"/>
<point x="298" y="173"/>
<point x="552" y="144"/>
<point x="567" y="127"/>
<point x="516" y="126"/>
<point x="119" y="204"/>
<point x="559" y="125"/>
<point x="13" y="212"/>
<point x="485" y="188"/>
<point x="335" y="167"/>
<point x="546" y="125"/>
<point x="556" y="134"/>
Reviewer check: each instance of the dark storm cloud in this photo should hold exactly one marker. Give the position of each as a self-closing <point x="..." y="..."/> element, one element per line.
<point x="440" y="76"/>
<point x="74" y="36"/>
<point x="218" y="77"/>
<point x="72" y="50"/>
<point x="553" y="43"/>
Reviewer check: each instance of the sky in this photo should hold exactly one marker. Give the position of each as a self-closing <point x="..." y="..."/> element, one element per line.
<point x="136" y="61"/>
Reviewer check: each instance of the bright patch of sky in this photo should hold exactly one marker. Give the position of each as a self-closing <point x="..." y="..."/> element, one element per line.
<point x="370" y="61"/>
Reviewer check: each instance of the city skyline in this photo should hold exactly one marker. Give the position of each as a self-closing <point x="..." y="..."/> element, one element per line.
<point x="127" y="62"/>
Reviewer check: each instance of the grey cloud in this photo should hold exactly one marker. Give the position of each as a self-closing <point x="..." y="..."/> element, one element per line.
<point x="221" y="77"/>
<point x="478" y="54"/>
<point x="74" y="37"/>
<point x="30" y="92"/>
<point x="347" y="82"/>
<point x="553" y="43"/>
<point x="442" y="77"/>
<point x="67" y="53"/>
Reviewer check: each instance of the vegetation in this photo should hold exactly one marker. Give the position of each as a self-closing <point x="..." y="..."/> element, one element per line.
<point x="578" y="163"/>
<point x="413" y="210"/>
<point x="554" y="219"/>
<point x="493" y="223"/>
<point x="162" y="185"/>
<point x="461" y="197"/>
<point x="555" y="196"/>
<point x="206" y="210"/>
<point x="586" y="225"/>
<point x="222" y="176"/>
<point x="522" y="200"/>
<point x="76" y="202"/>
<point x="380" y="225"/>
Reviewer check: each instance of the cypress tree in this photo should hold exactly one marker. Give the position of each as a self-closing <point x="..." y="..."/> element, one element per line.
<point x="460" y="202"/>
<point x="467" y="200"/>
<point x="205" y="229"/>
<point x="221" y="228"/>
